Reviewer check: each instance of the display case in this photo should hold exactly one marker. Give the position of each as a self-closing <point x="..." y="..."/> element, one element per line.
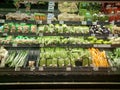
<point x="56" y="44"/>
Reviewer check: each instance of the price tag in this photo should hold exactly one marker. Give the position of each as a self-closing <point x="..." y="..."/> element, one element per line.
<point x="14" y="45"/>
<point x="48" y="21"/>
<point x="114" y="69"/>
<point x="103" y="45"/>
<point x="39" y="21"/>
<point x="17" y="68"/>
<point x="41" y="45"/>
<point x="68" y="68"/>
<point x="41" y="68"/>
<point x="32" y="68"/>
<point x="95" y="68"/>
<point x="95" y="45"/>
<point x="40" y="34"/>
<point x="110" y="35"/>
<point x="4" y="34"/>
<point x="84" y="23"/>
<point x="61" y="22"/>
<point x="113" y="22"/>
<point x="92" y="34"/>
<point x="115" y="35"/>
<point x="94" y="23"/>
<point x="2" y="21"/>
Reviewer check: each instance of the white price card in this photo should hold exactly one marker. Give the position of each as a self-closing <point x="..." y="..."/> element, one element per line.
<point x="68" y="69"/>
<point x="41" y="68"/>
<point x="32" y="68"/>
<point x="14" y="45"/>
<point x="84" y="23"/>
<point x="112" y="22"/>
<point x="114" y="69"/>
<point x="115" y="35"/>
<point x="39" y="21"/>
<point x="5" y="34"/>
<point x="110" y="35"/>
<point x="104" y="45"/>
<point x="2" y="21"/>
<point x="95" y="68"/>
<point x="94" y="23"/>
<point x="61" y="22"/>
<point x="95" y="45"/>
<point x="106" y="20"/>
<point x="41" y="45"/>
<point x="40" y="34"/>
<point x="49" y="21"/>
<point x="17" y="68"/>
<point x="92" y="34"/>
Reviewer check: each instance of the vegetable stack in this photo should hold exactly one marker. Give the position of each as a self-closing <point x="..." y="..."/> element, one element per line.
<point x="99" y="58"/>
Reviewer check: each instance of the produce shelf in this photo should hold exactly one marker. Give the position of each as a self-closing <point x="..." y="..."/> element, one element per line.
<point x="76" y="0"/>
<point x="59" y="71"/>
<point x="60" y="22"/>
<point x="57" y="34"/>
<point x="17" y="34"/>
<point x="84" y="22"/>
<point x="21" y="21"/>
<point x="61" y="45"/>
<point x="78" y="34"/>
<point x="19" y="45"/>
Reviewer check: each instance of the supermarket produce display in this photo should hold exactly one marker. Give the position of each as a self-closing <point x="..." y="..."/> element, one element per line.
<point x="59" y="41"/>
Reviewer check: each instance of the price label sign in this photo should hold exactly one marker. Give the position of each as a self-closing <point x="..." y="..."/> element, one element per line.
<point x="17" y="68"/>
<point x="114" y="69"/>
<point x="39" y="21"/>
<point x="49" y="21"/>
<point x="41" y="68"/>
<point x="4" y="34"/>
<point x="92" y="34"/>
<point x="2" y="21"/>
<point x="14" y="45"/>
<point x="95" y="68"/>
<point x="41" y="45"/>
<point x="94" y="23"/>
<point x="113" y="22"/>
<point x="61" y="22"/>
<point x="115" y="35"/>
<point x="84" y="23"/>
<point x="40" y="34"/>
<point x="110" y="35"/>
<point x="68" y="69"/>
<point x="95" y="45"/>
<point x="104" y="45"/>
<point x="32" y="68"/>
